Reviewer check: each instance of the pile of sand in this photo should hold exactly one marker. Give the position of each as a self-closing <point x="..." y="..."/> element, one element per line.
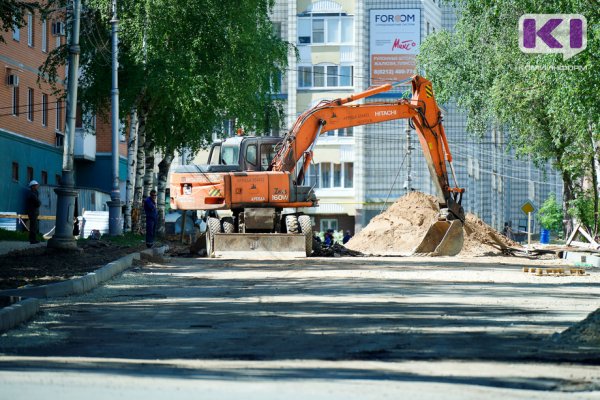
<point x="400" y="228"/>
<point x="586" y="331"/>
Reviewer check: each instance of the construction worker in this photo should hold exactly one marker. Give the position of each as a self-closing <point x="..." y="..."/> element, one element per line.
<point x="32" y="204"/>
<point x="151" y="217"/>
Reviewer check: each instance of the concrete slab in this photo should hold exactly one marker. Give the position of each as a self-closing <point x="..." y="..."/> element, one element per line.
<point x="582" y="257"/>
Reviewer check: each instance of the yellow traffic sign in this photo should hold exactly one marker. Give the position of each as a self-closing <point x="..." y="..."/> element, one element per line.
<point x="528" y="207"/>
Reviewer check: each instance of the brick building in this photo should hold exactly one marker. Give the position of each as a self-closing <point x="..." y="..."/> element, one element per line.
<point x="32" y="121"/>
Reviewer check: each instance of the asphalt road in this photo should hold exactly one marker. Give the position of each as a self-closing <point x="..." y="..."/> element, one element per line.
<point x="315" y="328"/>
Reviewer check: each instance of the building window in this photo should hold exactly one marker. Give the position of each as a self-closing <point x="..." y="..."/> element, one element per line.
<point x="58" y="113"/>
<point x="348" y="175"/>
<point x="44" y="177"/>
<point x="321" y="76"/>
<point x="346" y="75"/>
<point x="333" y="30"/>
<point x="57" y="41"/>
<point x="15" y="171"/>
<point x="29" y="174"/>
<point x="326" y="224"/>
<point x="318" y="76"/>
<point x="312" y="176"/>
<point x="30" y="104"/>
<point x="57" y="178"/>
<point x="30" y="30"/>
<point x="122" y="129"/>
<point x="318" y="31"/>
<point x="44" y="36"/>
<point x="16" y="32"/>
<point x="44" y="109"/>
<point x="60" y="139"/>
<point x="15" y="101"/>
<point x="331" y="175"/>
<point x="337" y="175"/>
<point x="332" y="76"/>
<point x="325" y="175"/>
<point x="344" y="132"/>
<point x="304" y="77"/>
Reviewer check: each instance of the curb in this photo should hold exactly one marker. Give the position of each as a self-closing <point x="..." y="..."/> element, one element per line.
<point x="23" y="310"/>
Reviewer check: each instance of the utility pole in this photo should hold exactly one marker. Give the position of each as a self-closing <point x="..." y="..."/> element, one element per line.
<point x="115" y="220"/>
<point x="409" y="149"/>
<point x="66" y="193"/>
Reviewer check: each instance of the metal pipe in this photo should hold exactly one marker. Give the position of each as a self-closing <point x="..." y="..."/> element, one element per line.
<point x="115" y="225"/>
<point x="66" y="194"/>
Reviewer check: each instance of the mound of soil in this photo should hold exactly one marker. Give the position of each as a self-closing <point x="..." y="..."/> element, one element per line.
<point x="41" y="266"/>
<point x="586" y="331"/>
<point x="400" y="228"/>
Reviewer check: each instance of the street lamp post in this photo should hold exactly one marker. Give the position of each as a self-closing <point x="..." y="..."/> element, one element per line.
<point x="66" y="193"/>
<point x="115" y="219"/>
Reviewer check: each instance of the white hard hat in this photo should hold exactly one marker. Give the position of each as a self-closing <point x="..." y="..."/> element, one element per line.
<point x="33" y="183"/>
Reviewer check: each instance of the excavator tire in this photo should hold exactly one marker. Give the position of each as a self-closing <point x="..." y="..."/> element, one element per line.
<point x="291" y="224"/>
<point x="213" y="227"/>
<point x="228" y="226"/>
<point x="306" y="228"/>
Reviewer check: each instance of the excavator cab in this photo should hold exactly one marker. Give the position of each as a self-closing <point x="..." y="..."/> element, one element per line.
<point x="243" y="153"/>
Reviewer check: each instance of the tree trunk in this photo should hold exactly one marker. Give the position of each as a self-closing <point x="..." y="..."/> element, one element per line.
<point x="131" y="168"/>
<point x="148" y="184"/>
<point x="595" y="174"/>
<point x="163" y="172"/>
<point x="568" y="224"/>
<point x="149" y="175"/>
<point x="139" y="174"/>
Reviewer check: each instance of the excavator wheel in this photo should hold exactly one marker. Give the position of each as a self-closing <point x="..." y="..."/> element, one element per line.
<point x="291" y="224"/>
<point x="213" y="227"/>
<point x="306" y="228"/>
<point x="228" y="226"/>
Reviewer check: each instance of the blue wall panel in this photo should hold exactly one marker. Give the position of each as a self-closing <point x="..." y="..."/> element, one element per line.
<point x="98" y="174"/>
<point x="26" y="153"/>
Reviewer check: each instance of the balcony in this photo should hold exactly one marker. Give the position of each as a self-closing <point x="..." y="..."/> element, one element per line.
<point x="85" y="145"/>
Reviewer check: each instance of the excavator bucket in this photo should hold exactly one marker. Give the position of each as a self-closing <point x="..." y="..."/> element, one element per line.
<point x="259" y="245"/>
<point x="444" y="238"/>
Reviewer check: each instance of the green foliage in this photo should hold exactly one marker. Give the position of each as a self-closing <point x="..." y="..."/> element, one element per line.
<point x="186" y="66"/>
<point x="582" y="209"/>
<point x="14" y="235"/>
<point x="548" y="105"/>
<point x="551" y="214"/>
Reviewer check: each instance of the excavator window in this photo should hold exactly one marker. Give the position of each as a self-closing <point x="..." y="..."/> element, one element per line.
<point x="214" y="157"/>
<point x="230" y="155"/>
<point x="251" y="154"/>
<point x="267" y="153"/>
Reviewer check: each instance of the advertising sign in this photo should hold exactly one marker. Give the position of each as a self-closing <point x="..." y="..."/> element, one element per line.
<point x="395" y="41"/>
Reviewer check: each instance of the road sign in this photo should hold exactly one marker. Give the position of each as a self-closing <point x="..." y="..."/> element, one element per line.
<point x="528" y="207"/>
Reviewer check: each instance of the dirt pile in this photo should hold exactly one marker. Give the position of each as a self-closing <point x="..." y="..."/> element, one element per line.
<point x="586" y="331"/>
<point x="400" y="228"/>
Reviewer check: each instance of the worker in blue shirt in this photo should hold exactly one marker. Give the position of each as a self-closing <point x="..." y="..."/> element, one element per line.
<point x="151" y="217"/>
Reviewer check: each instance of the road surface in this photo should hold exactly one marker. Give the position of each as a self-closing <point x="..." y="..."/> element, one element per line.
<point x="316" y="328"/>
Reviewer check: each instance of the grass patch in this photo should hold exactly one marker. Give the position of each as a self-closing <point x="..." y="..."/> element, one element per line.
<point x="14" y="235"/>
<point x="127" y="239"/>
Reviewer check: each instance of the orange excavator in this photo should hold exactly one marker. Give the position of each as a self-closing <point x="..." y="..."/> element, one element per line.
<point x="258" y="178"/>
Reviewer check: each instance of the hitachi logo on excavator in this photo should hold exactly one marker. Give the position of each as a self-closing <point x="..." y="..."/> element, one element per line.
<point x="385" y="113"/>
